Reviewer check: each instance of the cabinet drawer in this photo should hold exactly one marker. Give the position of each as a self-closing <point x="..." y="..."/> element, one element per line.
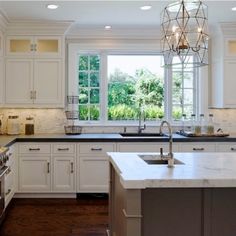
<point x="226" y="147"/>
<point x="96" y="148"/>
<point x="34" y="148"/>
<point x="198" y="147"/>
<point x="63" y="148"/>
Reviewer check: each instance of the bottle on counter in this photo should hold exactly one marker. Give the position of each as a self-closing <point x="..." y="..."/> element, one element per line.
<point x="29" y="125"/>
<point x="199" y="127"/>
<point x="193" y="123"/>
<point x="183" y="123"/>
<point x="203" y="124"/>
<point x="210" y="125"/>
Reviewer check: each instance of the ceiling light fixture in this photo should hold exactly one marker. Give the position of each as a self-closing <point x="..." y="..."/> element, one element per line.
<point x="107" y="27"/>
<point x="52" y="6"/>
<point x="184" y="34"/>
<point x="233" y="8"/>
<point x="145" y="8"/>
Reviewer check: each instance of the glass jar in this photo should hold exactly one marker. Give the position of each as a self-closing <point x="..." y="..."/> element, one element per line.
<point x="13" y="125"/>
<point x="29" y="125"/>
<point x="210" y="125"/>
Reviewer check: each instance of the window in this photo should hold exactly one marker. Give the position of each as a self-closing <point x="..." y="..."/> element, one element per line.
<point x="89" y="87"/>
<point x="115" y="86"/>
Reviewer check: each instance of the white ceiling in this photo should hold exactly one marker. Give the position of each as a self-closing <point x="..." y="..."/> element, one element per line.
<point x="99" y="13"/>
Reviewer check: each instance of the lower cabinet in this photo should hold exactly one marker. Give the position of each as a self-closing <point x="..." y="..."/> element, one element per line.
<point x="93" y="167"/>
<point x="63" y="174"/>
<point x="47" y="168"/>
<point x="34" y="173"/>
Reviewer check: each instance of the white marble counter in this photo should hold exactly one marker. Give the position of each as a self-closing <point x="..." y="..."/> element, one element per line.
<point x="201" y="170"/>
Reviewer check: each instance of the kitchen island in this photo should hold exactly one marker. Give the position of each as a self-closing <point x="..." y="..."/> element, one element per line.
<point x="197" y="197"/>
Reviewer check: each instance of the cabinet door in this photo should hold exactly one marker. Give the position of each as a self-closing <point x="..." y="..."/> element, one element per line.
<point x="63" y="174"/>
<point x="47" y="46"/>
<point x="19" y="74"/>
<point x="226" y="147"/>
<point x="93" y="174"/>
<point x="34" y="174"/>
<point x="19" y="46"/>
<point x="229" y="84"/>
<point x="48" y="81"/>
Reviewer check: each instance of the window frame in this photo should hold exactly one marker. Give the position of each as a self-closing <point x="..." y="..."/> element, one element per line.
<point x="125" y="49"/>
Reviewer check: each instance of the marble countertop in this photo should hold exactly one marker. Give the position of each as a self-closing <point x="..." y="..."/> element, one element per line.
<point x="200" y="170"/>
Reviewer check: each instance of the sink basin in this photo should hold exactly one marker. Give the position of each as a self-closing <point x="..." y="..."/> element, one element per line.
<point x="156" y="160"/>
<point x="156" y="135"/>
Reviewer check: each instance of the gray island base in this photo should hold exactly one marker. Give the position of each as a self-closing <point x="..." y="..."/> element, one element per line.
<point x="148" y="208"/>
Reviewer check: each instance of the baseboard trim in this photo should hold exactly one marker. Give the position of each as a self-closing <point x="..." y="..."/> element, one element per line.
<point x="45" y="195"/>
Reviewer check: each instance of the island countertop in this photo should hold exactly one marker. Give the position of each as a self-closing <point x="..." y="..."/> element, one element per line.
<point x="200" y="170"/>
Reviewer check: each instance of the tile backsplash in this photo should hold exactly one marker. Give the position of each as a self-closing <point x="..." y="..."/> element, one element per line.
<point x="53" y="121"/>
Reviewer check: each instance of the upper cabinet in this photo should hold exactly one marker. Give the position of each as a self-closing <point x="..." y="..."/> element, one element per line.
<point x="223" y="66"/>
<point x="37" y="46"/>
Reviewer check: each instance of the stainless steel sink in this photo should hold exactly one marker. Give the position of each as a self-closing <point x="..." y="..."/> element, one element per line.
<point x="156" y="135"/>
<point x="156" y="160"/>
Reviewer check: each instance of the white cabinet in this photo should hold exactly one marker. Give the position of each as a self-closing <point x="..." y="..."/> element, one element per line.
<point x="146" y="147"/>
<point x="34" y="71"/>
<point x="45" y="167"/>
<point x="34" y="173"/>
<point x="64" y="168"/>
<point x="197" y="147"/>
<point x="226" y="147"/>
<point x="36" y="81"/>
<point x="93" y="167"/>
<point x="37" y="46"/>
<point x="223" y="66"/>
<point x="1" y="81"/>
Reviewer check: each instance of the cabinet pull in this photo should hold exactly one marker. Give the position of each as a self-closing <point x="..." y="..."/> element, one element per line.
<point x="96" y="149"/>
<point x="233" y="149"/>
<point x="63" y="149"/>
<point x="198" y="149"/>
<point x="31" y="95"/>
<point x="8" y="192"/>
<point x="48" y="166"/>
<point x="72" y="167"/>
<point x="31" y="47"/>
<point x="34" y="149"/>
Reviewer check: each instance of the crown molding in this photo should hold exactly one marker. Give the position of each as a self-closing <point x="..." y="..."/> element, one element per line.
<point x="4" y="21"/>
<point x="115" y="33"/>
<point x="228" y="28"/>
<point x="38" y="27"/>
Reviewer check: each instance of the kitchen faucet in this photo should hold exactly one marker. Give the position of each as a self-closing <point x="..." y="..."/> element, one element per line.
<point x="140" y="115"/>
<point x="169" y="156"/>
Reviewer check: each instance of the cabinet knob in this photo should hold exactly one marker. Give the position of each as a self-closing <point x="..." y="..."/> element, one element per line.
<point x="233" y="149"/>
<point x="8" y="192"/>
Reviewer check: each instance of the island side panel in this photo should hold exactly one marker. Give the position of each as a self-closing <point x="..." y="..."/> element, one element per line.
<point x="220" y="212"/>
<point x="168" y="212"/>
<point x="125" y="208"/>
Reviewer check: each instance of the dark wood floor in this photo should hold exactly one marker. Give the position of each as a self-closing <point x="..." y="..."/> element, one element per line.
<point x="56" y="217"/>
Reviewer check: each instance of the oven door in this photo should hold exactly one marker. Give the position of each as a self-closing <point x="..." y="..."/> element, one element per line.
<point x="2" y="191"/>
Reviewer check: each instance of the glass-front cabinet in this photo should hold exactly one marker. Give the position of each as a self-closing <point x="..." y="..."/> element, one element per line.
<point x="33" y="46"/>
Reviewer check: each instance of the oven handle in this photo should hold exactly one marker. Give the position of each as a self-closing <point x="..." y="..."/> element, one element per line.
<point x="3" y="171"/>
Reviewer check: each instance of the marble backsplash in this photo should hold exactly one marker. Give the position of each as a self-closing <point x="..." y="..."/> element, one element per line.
<point x="53" y="121"/>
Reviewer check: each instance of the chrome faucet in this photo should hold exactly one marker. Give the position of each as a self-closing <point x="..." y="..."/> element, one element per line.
<point x="169" y="156"/>
<point x="140" y="127"/>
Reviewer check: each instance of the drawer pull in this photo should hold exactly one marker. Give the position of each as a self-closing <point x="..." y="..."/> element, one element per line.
<point x="72" y="167"/>
<point x="63" y="149"/>
<point x="48" y="165"/>
<point x="96" y="149"/>
<point x="233" y="149"/>
<point x="8" y="192"/>
<point x="34" y="149"/>
<point x="198" y="149"/>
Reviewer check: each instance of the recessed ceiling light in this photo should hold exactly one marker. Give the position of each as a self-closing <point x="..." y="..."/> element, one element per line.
<point x="145" y="8"/>
<point x="233" y="8"/>
<point x="107" y="27"/>
<point x="52" y="6"/>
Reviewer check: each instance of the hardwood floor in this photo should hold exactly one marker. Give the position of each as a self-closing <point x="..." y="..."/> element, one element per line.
<point x="56" y="217"/>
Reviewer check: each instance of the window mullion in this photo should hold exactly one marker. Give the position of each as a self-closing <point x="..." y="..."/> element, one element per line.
<point x="103" y="87"/>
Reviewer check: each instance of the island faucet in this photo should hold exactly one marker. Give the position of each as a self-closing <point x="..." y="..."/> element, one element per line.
<point x="140" y="116"/>
<point x="169" y="156"/>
